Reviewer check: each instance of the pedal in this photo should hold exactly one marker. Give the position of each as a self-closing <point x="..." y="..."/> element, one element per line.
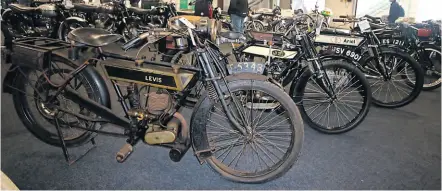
<point x="124" y="152"/>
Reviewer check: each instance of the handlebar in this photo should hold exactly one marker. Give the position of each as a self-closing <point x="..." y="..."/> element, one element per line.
<point x="131" y="43"/>
<point x="339" y="20"/>
<point x="372" y="18"/>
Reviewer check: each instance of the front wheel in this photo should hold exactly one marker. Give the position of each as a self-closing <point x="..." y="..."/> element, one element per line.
<point x="255" y="26"/>
<point x="274" y="139"/>
<point x="429" y="57"/>
<point x="401" y="83"/>
<point x="333" y="114"/>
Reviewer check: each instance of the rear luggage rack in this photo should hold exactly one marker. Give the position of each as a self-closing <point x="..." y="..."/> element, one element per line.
<point x="35" y="52"/>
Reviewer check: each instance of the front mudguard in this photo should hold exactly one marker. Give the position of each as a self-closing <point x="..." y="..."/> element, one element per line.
<point x="198" y="136"/>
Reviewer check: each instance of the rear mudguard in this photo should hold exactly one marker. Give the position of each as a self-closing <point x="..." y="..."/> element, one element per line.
<point x="11" y="75"/>
<point x="66" y="22"/>
<point x="198" y="136"/>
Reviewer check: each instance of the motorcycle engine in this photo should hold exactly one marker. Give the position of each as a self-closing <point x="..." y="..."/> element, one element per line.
<point x="276" y="67"/>
<point x="157" y="105"/>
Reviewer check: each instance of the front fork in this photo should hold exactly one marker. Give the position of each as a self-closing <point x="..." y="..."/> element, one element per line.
<point x="210" y="76"/>
<point x="321" y="77"/>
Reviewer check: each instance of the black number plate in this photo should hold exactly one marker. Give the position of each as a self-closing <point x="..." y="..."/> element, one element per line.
<point x="246" y="67"/>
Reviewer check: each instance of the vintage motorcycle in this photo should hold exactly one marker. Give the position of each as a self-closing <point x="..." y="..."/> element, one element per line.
<point x="118" y="17"/>
<point x="262" y="22"/>
<point x="396" y="78"/>
<point x="62" y="103"/>
<point x="421" y="44"/>
<point x="41" y="19"/>
<point x="332" y="95"/>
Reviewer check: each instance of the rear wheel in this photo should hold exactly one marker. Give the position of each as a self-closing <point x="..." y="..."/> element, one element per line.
<point x="275" y="138"/>
<point x="39" y="117"/>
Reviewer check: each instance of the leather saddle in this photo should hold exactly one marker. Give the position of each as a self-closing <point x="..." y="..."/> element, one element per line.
<point x="85" y="8"/>
<point x="139" y="11"/>
<point x="335" y="31"/>
<point x="18" y="8"/>
<point x="93" y="37"/>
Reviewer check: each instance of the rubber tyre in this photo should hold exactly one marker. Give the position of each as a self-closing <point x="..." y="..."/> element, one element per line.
<point x="432" y="87"/>
<point x="302" y="83"/>
<point x="418" y="86"/>
<point x="296" y="120"/>
<point x="22" y="108"/>
<point x="250" y="26"/>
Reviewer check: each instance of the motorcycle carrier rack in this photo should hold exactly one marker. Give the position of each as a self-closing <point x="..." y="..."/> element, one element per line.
<point x="35" y="52"/>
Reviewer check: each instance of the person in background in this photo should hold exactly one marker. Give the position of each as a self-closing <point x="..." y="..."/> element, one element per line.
<point x="396" y="11"/>
<point x="238" y="10"/>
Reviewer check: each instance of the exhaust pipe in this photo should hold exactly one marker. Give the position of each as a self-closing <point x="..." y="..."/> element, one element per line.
<point x="179" y="149"/>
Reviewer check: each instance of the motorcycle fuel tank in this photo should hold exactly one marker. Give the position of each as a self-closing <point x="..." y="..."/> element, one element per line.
<point x="171" y="78"/>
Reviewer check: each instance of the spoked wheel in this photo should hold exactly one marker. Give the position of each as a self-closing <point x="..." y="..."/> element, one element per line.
<point x="39" y="116"/>
<point x="402" y="84"/>
<point x="430" y="60"/>
<point x="328" y="114"/>
<point x="273" y="140"/>
<point x="255" y="26"/>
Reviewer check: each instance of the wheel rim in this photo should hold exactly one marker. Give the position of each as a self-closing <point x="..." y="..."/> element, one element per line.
<point x="259" y="153"/>
<point x="399" y="87"/>
<point x="334" y="114"/>
<point x="42" y="115"/>
<point x="431" y="65"/>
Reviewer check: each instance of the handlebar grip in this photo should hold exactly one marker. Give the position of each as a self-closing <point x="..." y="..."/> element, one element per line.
<point x="339" y="20"/>
<point x="343" y="16"/>
<point x="371" y="17"/>
<point x="131" y="43"/>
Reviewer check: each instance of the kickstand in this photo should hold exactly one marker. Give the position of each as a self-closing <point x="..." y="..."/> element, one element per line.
<point x="66" y="154"/>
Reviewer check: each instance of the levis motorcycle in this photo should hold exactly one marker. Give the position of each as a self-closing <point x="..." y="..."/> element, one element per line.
<point x="232" y="128"/>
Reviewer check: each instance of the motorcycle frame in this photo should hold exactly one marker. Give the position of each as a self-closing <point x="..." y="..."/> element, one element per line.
<point x="206" y="73"/>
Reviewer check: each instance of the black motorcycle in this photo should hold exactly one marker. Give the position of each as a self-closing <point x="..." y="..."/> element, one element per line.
<point x="41" y="19"/>
<point x="114" y="16"/>
<point x="396" y="78"/>
<point x="332" y="95"/>
<point x="422" y="44"/>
